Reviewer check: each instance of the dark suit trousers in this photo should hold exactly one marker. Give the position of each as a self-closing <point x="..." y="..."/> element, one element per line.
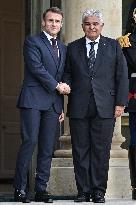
<point x="91" y="142"/>
<point x="37" y="127"/>
<point x="132" y="127"/>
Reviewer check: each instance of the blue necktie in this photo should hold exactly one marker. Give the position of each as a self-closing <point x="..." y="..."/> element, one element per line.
<point x="55" y="48"/>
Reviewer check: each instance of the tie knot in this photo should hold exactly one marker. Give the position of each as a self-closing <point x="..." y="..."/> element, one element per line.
<point x="92" y="44"/>
<point x="54" y="41"/>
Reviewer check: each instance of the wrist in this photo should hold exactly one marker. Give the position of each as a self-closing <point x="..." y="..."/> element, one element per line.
<point x="57" y="87"/>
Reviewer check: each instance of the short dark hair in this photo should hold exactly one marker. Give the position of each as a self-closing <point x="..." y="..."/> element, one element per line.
<point x="54" y="10"/>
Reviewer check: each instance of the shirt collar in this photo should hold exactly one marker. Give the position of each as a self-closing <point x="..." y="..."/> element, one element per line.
<point x="48" y="35"/>
<point x="88" y="40"/>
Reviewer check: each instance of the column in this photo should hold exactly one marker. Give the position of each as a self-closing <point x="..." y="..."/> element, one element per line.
<point x="65" y="140"/>
<point x="117" y="140"/>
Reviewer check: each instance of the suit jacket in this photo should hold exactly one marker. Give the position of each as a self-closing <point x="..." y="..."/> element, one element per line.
<point x="41" y="74"/>
<point x="109" y="81"/>
<point x="130" y="54"/>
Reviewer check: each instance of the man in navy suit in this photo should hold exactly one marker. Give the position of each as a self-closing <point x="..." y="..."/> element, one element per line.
<point x="96" y="72"/>
<point x="41" y="104"/>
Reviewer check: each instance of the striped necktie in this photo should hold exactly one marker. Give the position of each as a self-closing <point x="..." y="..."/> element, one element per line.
<point x="55" y="48"/>
<point x="91" y="58"/>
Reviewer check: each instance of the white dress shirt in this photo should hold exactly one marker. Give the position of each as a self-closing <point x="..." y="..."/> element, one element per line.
<point x="49" y="37"/>
<point x="88" y="46"/>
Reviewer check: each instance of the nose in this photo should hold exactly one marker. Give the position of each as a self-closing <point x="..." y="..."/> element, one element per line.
<point x="91" y="26"/>
<point x="53" y="23"/>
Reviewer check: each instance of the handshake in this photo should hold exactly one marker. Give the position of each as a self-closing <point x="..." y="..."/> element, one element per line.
<point x="63" y="88"/>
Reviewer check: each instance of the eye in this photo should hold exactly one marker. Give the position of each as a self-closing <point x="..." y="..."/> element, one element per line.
<point x="87" y="24"/>
<point x="50" y="20"/>
<point x="57" y="21"/>
<point x="95" y="23"/>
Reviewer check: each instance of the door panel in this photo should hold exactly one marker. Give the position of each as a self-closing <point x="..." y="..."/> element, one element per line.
<point x="11" y="68"/>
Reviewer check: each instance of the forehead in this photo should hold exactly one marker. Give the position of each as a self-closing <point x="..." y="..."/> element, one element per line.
<point x="92" y="19"/>
<point x="52" y="15"/>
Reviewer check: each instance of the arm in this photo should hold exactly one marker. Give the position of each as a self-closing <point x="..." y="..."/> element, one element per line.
<point x="67" y="71"/>
<point x="121" y="82"/>
<point x="33" y="61"/>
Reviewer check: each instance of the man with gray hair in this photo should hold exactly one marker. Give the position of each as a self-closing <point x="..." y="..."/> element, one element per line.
<point x="96" y="72"/>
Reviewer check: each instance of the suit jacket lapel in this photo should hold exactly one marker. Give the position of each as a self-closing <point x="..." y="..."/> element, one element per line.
<point x="100" y="53"/>
<point x="46" y="41"/>
<point x="83" y="53"/>
<point x="61" y="54"/>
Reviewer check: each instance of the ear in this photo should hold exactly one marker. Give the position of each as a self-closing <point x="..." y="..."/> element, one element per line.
<point x="61" y="25"/>
<point x="43" y="23"/>
<point x="83" y="27"/>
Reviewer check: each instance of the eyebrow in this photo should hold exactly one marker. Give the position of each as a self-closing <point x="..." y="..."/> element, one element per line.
<point x="91" y="22"/>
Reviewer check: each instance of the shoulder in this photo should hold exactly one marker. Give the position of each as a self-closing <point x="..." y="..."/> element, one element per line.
<point x="109" y="40"/>
<point x="32" y="39"/>
<point x="111" y="43"/>
<point x="76" y="42"/>
<point x="61" y="43"/>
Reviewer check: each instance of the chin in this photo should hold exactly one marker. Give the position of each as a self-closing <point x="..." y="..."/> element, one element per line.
<point x="54" y="34"/>
<point x="92" y="37"/>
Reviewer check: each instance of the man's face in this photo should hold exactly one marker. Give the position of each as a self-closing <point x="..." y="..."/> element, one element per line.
<point x="92" y="27"/>
<point x="52" y="23"/>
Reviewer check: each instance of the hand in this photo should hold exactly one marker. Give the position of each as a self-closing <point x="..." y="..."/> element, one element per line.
<point x="119" y="110"/>
<point x="124" y="41"/>
<point x="63" y="88"/>
<point x="61" y="117"/>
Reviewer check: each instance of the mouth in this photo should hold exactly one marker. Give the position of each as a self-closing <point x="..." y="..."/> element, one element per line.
<point x="92" y="32"/>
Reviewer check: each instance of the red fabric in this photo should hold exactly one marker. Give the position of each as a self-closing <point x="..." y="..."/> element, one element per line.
<point x="130" y="95"/>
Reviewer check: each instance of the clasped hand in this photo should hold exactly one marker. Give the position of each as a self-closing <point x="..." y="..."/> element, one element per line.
<point x="63" y="88"/>
<point x="119" y="110"/>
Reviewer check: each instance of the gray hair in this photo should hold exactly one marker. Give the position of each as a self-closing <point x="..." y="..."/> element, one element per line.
<point x="92" y="12"/>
